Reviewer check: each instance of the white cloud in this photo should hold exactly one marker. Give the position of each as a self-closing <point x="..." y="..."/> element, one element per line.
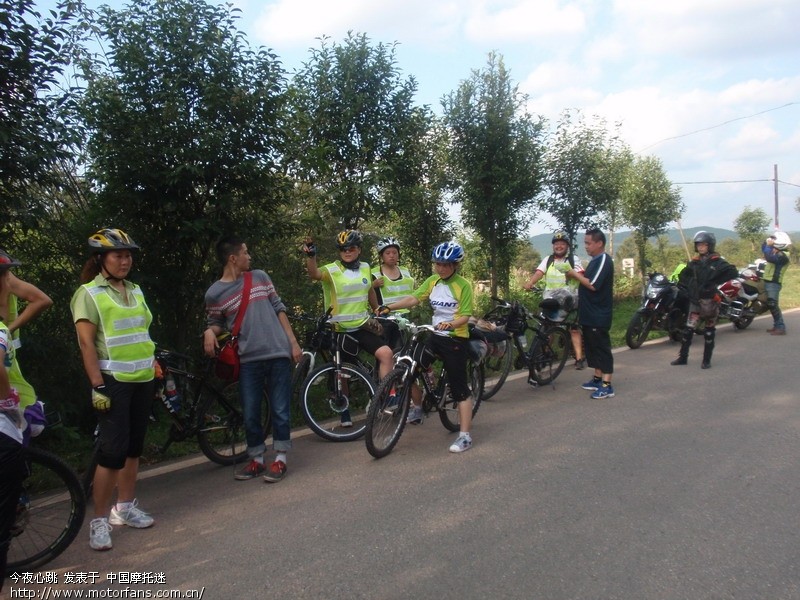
<point x="523" y="20"/>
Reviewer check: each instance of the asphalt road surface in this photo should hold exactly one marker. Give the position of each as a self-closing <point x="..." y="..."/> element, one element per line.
<point x="684" y="485"/>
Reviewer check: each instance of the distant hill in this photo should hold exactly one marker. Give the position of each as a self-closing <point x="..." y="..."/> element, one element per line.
<point x="543" y="244"/>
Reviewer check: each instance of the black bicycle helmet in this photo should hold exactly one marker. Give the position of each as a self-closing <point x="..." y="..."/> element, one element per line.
<point x="560" y="236"/>
<point x="349" y="238"/>
<point x="109" y="239"/>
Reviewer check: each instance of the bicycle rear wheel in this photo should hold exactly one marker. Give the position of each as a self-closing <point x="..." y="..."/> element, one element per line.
<point x="448" y="412"/>
<point x="50" y="513"/>
<point x="548" y="355"/>
<point x="387" y="413"/>
<point x="220" y="430"/>
<point x="496" y="368"/>
<point x="325" y="409"/>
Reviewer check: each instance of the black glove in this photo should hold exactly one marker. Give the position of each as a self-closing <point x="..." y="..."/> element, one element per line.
<point x="310" y="250"/>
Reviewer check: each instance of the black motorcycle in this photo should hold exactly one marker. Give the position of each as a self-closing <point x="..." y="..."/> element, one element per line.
<point x="663" y="307"/>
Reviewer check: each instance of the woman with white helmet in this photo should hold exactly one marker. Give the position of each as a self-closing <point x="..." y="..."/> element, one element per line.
<point x="776" y="253"/>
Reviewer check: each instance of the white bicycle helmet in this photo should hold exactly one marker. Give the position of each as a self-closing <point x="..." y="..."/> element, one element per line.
<point x="387" y="242"/>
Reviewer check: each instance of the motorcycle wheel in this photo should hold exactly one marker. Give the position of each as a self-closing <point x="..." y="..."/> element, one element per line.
<point x="743" y="322"/>
<point x="638" y="329"/>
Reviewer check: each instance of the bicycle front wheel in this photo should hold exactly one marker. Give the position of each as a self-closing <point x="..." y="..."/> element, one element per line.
<point x="335" y="400"/>
<point x="50" y="512"/>
<point x="496" y="368"/>
<point x="449" y="413"/>
<point x="220" y="428"/>
<point x="548" y="355"/>
<point x="387" y="413"/>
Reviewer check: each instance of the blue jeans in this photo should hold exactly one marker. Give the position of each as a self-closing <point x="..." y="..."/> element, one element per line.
<point x="276" y="376"/>
<point x="773" y="291"/>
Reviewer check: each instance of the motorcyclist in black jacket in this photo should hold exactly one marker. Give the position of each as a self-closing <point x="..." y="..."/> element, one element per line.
<point x="700" y="278"/>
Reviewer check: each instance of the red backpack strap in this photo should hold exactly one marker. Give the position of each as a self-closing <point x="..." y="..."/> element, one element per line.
<point x="246" y="287"/>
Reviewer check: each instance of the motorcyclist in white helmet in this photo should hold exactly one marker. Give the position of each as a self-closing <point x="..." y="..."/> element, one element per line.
<point x="776" y="253"/>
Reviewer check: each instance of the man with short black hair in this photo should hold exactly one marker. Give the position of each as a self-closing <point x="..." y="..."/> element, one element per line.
<point x="267" y="347"/>
<point x="595" y="312"/>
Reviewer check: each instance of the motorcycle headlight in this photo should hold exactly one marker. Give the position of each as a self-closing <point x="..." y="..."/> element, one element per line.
<point x="652" y="293"/>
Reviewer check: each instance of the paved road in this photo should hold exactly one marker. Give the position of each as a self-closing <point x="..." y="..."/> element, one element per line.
<point x="684" y="485"/>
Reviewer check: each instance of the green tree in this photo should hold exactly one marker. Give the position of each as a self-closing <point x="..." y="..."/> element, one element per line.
<point x="584" y="174"/>
<point x="495" y="159"/>
<point x="649" y="203"/>
<point x="35" y="129"/>
<point x="185" y="125"/>
<point x="351" y="114"/>
<point x="751" y="225"/>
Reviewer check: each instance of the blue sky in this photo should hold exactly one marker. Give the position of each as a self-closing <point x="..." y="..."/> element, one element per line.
<point x="725" y="69"/>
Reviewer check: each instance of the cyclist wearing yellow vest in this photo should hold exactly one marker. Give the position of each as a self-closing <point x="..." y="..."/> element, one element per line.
<point x="347" y="289"/>
<point x="12" y="291"/>
<point x="12" y="463"/>
<point x="553" y="269"/>
<point x="112" y="321"/>
<point x="392" y="282"/>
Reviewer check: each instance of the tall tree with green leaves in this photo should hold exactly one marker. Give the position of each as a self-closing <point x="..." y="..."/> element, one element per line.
<point x="751" y="225"/>
<point x="185" y="124"/>
<point x="35" y="127"/>
<point x="584" y="174"/>
<point x="495" y="161"/>
<point x="351" y="112"/>
<point x="649" y="202"/>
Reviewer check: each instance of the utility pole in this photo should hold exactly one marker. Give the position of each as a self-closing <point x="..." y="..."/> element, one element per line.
<point x="777" y="225"/>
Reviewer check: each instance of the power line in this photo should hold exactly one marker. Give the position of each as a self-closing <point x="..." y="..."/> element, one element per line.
<point x="734" y="181"/>
<point x="675" y="137"/>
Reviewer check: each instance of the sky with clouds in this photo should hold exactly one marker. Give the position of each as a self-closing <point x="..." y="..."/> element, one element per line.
<point x="707" y="86"/>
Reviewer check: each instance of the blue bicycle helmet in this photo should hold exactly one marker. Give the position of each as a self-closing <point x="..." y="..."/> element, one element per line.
<point x="448" y="252"/>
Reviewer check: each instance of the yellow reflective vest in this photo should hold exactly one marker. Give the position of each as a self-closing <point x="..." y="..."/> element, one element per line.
<point x="125" y="328"/>
<point x="348" y="293"/>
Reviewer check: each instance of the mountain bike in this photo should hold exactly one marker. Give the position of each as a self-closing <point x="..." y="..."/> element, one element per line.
<point x="208" y="410"/>
<point x="50" y="512"/>
<point x="542" y="344"/>
<point x="333" y="396"/>
<point x="388" y="410"/>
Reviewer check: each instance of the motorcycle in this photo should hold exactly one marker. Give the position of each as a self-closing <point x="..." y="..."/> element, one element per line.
<point x="743" y="298"/>
<point x="663" y="307"/>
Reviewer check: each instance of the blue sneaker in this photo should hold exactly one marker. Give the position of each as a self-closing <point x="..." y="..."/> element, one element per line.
<point x="593" y="384"/>
<point x="346" y="420"/>
<point x="604" y="391"/>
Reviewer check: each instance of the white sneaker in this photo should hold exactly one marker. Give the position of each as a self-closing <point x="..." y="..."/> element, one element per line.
<point x="99" y="534"/>
<point x="462" y="444"/>
<point x="132" y="517"/>
<point x="415" y="415"/>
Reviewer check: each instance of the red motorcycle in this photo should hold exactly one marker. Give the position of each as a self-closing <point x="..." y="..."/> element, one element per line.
<point x="743" y="298"/>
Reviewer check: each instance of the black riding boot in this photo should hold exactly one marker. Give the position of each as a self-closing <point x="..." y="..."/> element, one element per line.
<point x="683" y="353"/>
<point x="708" y="348"/>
